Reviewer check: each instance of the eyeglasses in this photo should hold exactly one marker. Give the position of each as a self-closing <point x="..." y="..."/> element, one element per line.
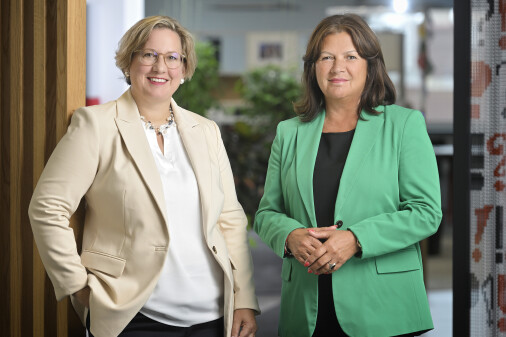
<point x="148" y="57"/>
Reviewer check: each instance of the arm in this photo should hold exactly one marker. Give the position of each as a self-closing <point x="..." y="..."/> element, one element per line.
<point x="418" y="215"/>
<point x="272" y="223"/>
<point x="419" y="211"/>
<point x="65" y="179"/>
<point x="233" y="224"/>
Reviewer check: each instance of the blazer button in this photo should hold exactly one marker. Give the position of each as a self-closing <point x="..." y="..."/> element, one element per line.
<point x="339" y="224"/>
<point x="215" y="250"/>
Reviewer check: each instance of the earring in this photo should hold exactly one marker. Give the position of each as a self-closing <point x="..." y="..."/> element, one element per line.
<point x="182" y="80"/>
<point x="127" y="74"/>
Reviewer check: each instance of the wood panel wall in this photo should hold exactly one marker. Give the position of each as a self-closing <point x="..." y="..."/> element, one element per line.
<point x="42" y="71"/>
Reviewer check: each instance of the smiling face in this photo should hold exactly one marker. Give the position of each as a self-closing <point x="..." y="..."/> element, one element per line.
<point x="157" y="83"/>
<point x="340" y="71"/>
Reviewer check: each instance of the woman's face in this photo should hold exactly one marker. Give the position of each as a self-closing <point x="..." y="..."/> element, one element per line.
<point x="157" y="83"/>
<point x="340" y="71"/>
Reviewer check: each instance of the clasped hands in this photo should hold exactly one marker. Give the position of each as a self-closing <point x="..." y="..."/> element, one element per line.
<point x="319" y="248"/>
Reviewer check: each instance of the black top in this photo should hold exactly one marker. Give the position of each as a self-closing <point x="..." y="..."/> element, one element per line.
<point x="329" y="165"/>
<point x="328" y="169"/>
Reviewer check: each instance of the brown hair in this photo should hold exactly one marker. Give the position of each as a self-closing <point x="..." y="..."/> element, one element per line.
<point x="137" y="36"/>
<point x="378" y="89"/>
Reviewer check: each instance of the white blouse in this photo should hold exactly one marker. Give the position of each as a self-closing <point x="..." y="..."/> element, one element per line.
<point x="190" y="288"/>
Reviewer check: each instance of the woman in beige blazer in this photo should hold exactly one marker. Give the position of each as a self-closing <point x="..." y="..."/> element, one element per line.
<point x="165" y="250"/>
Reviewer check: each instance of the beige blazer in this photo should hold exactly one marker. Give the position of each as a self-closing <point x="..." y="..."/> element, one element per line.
<point x="105" y="157"/>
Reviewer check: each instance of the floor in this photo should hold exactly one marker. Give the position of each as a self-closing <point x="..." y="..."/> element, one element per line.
<point x="439" y="284"/>
<point x="439" y="287"/>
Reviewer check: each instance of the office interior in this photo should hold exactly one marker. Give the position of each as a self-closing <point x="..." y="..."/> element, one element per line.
<point x="417" y="38"/>
<point x="417" y="41"/>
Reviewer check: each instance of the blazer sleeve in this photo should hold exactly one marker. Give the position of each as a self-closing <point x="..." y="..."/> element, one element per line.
<point x="64" y="181"/>
<point x="419" y="211"/>
<point x="272" y="223"/>
<point x="233" y="224"/>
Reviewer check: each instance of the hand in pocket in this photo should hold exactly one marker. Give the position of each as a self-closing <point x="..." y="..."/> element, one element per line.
<point x="83" y="296"/>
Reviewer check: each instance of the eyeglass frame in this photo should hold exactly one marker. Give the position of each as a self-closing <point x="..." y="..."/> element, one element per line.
<point x="182" y="57"/>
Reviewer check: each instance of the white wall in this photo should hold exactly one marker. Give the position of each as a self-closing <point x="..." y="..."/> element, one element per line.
<point x="107" y="21"/>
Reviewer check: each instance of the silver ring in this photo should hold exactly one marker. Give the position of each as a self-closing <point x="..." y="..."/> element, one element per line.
<point x="332" y="266"/>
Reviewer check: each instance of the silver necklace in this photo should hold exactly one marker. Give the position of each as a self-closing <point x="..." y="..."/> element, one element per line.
<point x="162" y="129"/>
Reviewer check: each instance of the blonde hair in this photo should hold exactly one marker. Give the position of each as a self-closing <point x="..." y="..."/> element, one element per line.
<point x="137" y="36"/>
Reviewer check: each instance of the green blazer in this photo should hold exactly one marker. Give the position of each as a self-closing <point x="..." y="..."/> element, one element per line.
<point x="389" y="197"/>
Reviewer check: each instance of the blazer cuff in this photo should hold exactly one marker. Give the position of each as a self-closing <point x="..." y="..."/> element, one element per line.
<point x="246" y="300"/>
<point x="62" y="291"/>
<point x="359" y="245"/>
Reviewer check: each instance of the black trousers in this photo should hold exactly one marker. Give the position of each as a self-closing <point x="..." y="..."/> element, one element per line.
<point x="142" y="326"/>
<point x="327" y="324"/>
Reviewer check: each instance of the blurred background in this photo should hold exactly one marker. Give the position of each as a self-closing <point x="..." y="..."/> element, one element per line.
<point x="250" y="64"/>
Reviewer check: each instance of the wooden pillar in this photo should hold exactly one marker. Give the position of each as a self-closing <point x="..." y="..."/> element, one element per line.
<point x="42" y="71"/>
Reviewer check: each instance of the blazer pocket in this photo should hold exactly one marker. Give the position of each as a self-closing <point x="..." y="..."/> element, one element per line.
<point x="402" y="260"/>
<point x="102" y="262"/>
<point x="286" y="269"/>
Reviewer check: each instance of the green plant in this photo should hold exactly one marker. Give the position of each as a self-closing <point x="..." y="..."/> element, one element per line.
<point x="268" y="93"/>
<point x="195" y="95"/>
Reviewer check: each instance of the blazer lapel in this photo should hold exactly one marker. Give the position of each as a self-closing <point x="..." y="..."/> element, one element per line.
<point x="366" y="134"/>
<point x="196" y="147"/>
<point x="130" y="128"/>
<point x="308" y="141"/>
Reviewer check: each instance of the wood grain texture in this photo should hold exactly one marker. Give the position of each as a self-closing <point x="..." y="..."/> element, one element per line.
<point x="76" y="55"/>
<point x="42" y="71"/>
<point x="51" y="40"/>
<point x="51" y="78"/>
<point x="26" y="171"/>
<point x="70" y="94"/>
<point x="15" y="163"/>
<point x="39" y="130"/>
<point x="5" y="168"/>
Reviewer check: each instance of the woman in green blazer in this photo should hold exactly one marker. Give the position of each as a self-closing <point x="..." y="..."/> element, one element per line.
<point x="352" y="187"/>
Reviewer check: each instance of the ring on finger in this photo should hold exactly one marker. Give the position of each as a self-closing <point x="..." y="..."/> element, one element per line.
<point x="332" y="266"/>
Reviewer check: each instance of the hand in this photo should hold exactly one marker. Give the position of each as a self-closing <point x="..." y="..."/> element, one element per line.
<point x="302" y="244"/>
<point x="339" y="247"/>
<point x="83" y="296"/>
<point x="244" y="324"/>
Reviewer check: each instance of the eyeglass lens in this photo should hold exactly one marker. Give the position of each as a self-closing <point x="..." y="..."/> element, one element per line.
<point x="149" y="57"/>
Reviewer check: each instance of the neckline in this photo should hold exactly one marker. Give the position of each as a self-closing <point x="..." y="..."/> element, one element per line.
<point x="338" y="133"/>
